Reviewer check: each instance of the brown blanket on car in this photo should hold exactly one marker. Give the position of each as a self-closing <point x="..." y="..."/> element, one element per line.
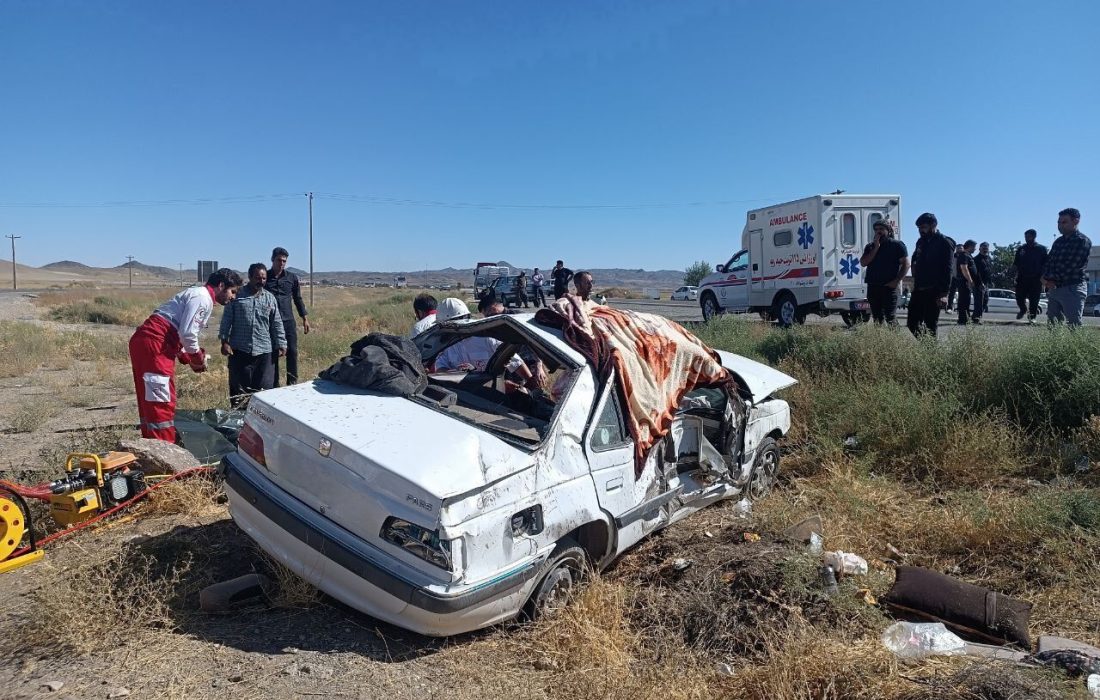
<point x="657" y="362"/>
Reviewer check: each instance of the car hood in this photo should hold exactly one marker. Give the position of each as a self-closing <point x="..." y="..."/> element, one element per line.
<point x="761" y="380"/>
<point x="438" y="453"/>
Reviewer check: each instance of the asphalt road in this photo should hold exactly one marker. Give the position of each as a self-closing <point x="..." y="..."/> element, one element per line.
<point x="688" y="312"/>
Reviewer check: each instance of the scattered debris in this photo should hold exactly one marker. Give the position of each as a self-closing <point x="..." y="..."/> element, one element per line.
<point x="53" y="686"/>
<point x="743" y="507"/>
<point x="118" y="693"/>
<point x="236" y="678"/>
<point x="291" y="669"/>
<point x="992" y="651"/>
<point x="972" y="610"/>
<point x="751" y="537"/>
<point x="1093" y="685"/>
<point x="158" y="456"/>
<point x="919" y="640"/>
<point x="1048" y="642"/>
<point x="828" y="580"/>
<point x="708" y="533"/>
<point x="846" y="563"/>
<point x="804" y="530"/>
<point x="1074" y="663"/>
<point x="229" y="595"/>
<point x="723" y="669"/>
<point x="851" y="442"/>
<point x="681" y="564"/>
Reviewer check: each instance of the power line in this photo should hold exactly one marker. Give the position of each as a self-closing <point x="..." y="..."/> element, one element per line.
<point x="130" y="266"/>
<point x="378" y="200"/>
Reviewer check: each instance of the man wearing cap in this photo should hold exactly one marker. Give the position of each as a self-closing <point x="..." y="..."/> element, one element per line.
<point x="1064" y="274"/>
<point x="886" y="260"/>
<point x="932" y="257"/>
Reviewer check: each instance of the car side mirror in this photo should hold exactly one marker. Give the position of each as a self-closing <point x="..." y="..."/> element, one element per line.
<point x="719" y="268"/>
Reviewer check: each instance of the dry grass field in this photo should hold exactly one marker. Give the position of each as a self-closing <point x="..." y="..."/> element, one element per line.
<point x="976" y="457"/>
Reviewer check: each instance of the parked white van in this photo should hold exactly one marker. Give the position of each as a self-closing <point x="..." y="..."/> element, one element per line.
<point x="464" y="505"/>
<point x="799" y="258"/>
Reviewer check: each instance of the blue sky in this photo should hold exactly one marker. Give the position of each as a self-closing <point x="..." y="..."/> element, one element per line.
<point x="646" y="128"/>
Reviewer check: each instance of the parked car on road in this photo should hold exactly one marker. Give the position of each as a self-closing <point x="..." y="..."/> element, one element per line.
<point x="688" y="293"/>
<point x="1092" y="305"/>
<point x="1004" y="301"/>
<point x="461" y="506"/>
<point x="505" y="289"/>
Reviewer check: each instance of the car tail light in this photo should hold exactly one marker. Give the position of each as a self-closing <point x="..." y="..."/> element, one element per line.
<point x="418" y="541"/>
<point x="250" y="442"/>
<point x="834" y="294"/>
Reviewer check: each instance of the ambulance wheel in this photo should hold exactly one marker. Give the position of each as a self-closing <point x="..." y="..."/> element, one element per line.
<point x="765" y="470"/>
<point x="785" y="311"/>
<point x="563" y="574"/>
<point x="710" y="307"/>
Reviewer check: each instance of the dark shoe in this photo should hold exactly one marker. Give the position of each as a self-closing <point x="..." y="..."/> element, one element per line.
<point x="977" y="322"/>
<point x="1019" y="315"/>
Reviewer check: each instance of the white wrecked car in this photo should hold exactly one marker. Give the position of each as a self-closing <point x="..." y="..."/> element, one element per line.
<point x="469" y="504"/>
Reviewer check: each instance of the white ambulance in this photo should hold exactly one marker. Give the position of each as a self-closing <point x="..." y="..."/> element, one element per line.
<point x="799" y="258"/>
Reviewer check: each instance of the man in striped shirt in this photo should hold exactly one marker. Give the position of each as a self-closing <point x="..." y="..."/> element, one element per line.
<point x="249" y="326"/>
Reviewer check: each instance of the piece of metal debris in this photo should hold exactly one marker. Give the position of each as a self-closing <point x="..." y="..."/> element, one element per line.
<point x="681" y="564"/>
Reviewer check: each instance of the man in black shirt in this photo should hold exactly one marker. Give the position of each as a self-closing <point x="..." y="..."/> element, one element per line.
<point x="886" y="260"/>
<point x="288" y="292"/>
<point x="931" y="276"/>
<point x="1030" y="260"/>
<point x="967" y="280"/>
<point x="954" y="282"/>
<point x="984" y="266"/>
<point x="561" y="276"/>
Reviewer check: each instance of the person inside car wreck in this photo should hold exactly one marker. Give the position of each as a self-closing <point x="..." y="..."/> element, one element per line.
<point x="473" y="353"/>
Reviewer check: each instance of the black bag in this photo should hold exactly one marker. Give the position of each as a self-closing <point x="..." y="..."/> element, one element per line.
<point x="969" y="610"/>
<point x="386" y="363"/>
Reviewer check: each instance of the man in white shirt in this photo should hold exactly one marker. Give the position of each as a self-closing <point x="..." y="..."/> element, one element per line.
<point x="473" y="353"/>
<point x="171" y="333"/>
<point x="424" y="308"/>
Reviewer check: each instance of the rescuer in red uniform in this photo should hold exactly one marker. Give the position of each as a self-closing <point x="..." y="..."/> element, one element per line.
<point x="172" y="333"/>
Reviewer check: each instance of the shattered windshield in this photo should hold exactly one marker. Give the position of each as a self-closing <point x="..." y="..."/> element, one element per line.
<point x="498" y="380"/>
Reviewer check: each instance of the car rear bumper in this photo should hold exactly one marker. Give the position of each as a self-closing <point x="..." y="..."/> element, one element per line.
<point x="353" y="571"/>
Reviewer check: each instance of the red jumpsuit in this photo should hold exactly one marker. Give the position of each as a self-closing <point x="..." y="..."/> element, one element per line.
<point x="171" y="333"/>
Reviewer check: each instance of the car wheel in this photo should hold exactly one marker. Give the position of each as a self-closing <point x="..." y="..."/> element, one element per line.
<point x="564" y="572"/>
<point x="710" y="307"/>
<point x="785" y="310"/>
<point x="765" y="470"/>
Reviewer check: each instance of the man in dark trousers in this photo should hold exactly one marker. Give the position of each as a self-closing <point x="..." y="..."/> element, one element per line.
<point x="521" y="290"/>
<point x="954" y="282"/>
<point x="1030" y="260"/>
<point x="983" y="264"/>
<point x="287" y="289"/>
<point x="932" y="262"/>
<point x="1064" y="275"/>
<point x="561" y="276"/>
<point x="886" y="260"/>
<point x="251" y="333"/>
<point x="967" y="280"/>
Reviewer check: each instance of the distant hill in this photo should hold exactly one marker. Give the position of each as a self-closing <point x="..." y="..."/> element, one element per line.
<point x="70" y="265"/>
<point x="154" y="270"/>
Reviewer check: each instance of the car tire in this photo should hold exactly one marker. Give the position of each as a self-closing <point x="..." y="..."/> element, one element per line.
<point x="785" y="311"/>
<point x="564" y="571"/>
<point x="765" y="470"/>
<point x="710" y="307"/>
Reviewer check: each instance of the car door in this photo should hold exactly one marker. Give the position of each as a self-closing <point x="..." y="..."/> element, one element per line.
<point x="636" y="504"/>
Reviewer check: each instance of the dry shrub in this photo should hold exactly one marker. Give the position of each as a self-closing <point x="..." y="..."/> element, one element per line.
<point x="33" y="413"/>
<point x="194" y="496"/>
<point x="994" y="681"/>
<point x="290" y="590"/>
<point x="591" y="633"/>
<point x="978" y="452"/>
<point x="101" y="605"/>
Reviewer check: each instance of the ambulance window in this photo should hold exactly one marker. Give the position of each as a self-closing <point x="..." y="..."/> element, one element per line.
<point x="872" y="220"/>
<point x="848" y="230"/>
<point x="738" y="262"/>
<point x="782" y="238"/>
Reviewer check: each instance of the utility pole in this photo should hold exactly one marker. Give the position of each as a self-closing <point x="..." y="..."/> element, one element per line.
<point x="310" y="195"/>
<point x="130" y="267"/>
<point x="181" y="273"/>
<point x="14" y="278"/>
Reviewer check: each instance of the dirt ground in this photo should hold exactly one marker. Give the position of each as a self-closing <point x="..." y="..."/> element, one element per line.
<point x="114" y="610"/>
